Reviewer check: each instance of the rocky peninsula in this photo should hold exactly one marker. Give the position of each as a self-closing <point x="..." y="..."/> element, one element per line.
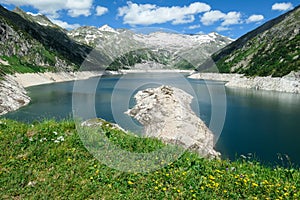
<point x="166" y="114"/>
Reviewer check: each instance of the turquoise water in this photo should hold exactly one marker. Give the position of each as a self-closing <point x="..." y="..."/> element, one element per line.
<point x="257" y="122"/>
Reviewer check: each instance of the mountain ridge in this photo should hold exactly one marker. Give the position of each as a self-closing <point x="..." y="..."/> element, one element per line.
<point x="270" y="49"/>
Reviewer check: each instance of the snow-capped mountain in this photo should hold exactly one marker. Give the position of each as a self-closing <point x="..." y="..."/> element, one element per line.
<point x="167" y="49"/>
<point x="107" y="28"/>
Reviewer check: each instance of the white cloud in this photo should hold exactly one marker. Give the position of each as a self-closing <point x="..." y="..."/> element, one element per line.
<point x="74" y="8"/>
<point x="194" y="26"/>
<point x="254" y="18"/>
<point x="187" y="19"/>
<point x="213" y="16"/>
<point x="232" y="18"/>
<point x="101" y="10"/>
<point x="222" y="28"/>
<point x="65" y="25"/>
<point x="147" y="14"/>
<point x="282" y="6"/>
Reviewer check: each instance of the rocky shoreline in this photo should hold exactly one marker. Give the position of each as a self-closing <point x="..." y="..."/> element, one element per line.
<point x="289" y="83"/>
<point x="13" y="95"/>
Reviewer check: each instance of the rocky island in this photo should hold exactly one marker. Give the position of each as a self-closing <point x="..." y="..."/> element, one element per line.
<point x="166" y="114"/>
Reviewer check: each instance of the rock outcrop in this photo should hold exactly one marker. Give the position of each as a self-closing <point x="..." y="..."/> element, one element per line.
<point x="289" y="83"/>
<point x="12" y="95"/>
<point x="166" y="114"/>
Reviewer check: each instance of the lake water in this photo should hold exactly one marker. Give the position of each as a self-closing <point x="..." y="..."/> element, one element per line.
<point x="258" y="122"/>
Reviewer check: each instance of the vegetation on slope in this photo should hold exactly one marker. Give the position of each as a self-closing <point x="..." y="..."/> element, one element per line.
<point x="271" y="49"/>
<point x="48" y="160"/>
<point x="27" y="45"/>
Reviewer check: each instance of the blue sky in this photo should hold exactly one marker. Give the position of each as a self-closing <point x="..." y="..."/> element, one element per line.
<point x="232" y="18"/>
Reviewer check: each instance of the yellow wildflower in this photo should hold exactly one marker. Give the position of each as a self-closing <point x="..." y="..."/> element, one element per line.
<point x="130" y="182"/>
<point x="254" y="184"/>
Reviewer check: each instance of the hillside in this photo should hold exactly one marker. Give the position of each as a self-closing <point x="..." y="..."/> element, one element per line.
<point x="271" y="49"/>
<point x="32" y="43"/>
<point x="129" y="49"/>
<point x="47" y="160"/>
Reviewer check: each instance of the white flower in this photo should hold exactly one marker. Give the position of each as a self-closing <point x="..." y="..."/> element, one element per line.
<point x="59" y="139"/>
<point x="43" y="139"/>
<point x="55" y="133"/>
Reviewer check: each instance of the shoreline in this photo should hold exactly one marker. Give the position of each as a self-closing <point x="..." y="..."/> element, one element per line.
<point x="14" y="96"/>
<point x="289" y="83"/>
<point x="33" y="79"/>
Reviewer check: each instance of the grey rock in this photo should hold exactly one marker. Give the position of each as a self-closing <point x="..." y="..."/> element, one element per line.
<point x="12" y="95"/>
<point x="166" y="114"/>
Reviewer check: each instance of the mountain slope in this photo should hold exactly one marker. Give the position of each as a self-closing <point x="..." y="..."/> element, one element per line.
<point x="128" y="49"/>
<point x="271" y="49"/>
<point x="28" y="46"/>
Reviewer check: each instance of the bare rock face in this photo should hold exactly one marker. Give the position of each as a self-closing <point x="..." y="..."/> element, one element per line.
<point x="12" y="95"/>
<point x="166" y="114"/>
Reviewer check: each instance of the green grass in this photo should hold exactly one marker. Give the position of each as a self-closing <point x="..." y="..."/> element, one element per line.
<point x="16" y="66"/>
<point x="34" y="166"/>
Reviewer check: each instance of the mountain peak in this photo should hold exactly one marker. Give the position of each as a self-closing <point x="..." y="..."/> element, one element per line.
<point x="18" y="10"/>
<point x="107" y="28"/>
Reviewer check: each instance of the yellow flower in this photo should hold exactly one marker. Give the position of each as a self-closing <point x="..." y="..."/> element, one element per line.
<point x="225" y="191"/>
<point x="164" y="189"/>
<point x="254" y="184"/>
<point x="91" y="178"/>
<point x="178" y="191"/>
<point x="156" y="188"/>
<point x="183" y="173"/>
<point x="167" y="174"/>
<point x="130" y="182"/>
<point x="265" y="182"/>
<point x="69" y="159"/>
<point x="211" y="177"/>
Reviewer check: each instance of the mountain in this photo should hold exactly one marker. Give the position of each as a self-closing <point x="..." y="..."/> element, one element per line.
<point x="271" y="49"/>
<point x="33" y="43"/>
<point x="128" y="49"/>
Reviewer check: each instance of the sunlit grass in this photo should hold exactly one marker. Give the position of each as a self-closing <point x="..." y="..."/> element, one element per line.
<point x="48" y="160"/>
